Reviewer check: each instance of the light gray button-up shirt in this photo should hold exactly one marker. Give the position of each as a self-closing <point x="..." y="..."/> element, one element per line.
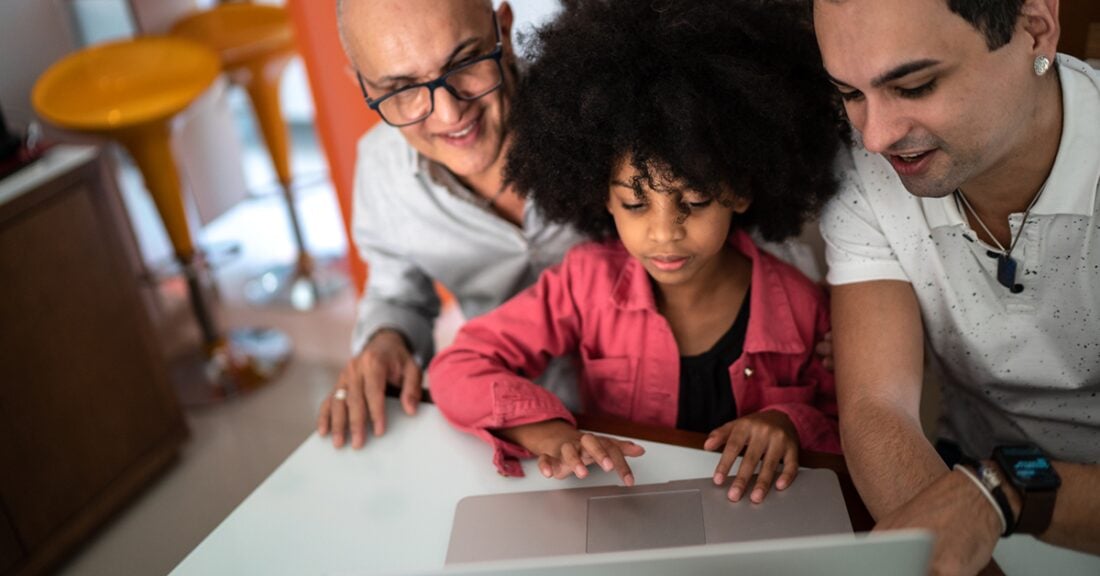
<point x="413" y="223"/>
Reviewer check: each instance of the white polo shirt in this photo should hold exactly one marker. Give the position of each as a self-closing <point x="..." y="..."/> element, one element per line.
<point x="1015" y="366"/>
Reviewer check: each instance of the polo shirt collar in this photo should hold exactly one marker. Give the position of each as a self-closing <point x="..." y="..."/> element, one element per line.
<point x="1074" y="178"/>
<point x="1076" y="171"/>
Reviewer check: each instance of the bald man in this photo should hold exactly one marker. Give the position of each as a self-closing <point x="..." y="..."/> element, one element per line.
<point x="430" y="200"/>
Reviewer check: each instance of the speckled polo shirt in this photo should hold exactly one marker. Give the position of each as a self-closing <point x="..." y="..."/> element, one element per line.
<point x="1016" y="366"/>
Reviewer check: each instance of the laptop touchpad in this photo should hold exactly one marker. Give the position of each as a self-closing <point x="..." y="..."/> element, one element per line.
<point x="639" y="521"/>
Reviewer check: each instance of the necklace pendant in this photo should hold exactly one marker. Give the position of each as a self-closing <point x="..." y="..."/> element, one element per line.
<point x="1006" y="273"/>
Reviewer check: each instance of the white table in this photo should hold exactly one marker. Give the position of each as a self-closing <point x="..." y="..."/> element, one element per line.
<point x="389" y="506"/>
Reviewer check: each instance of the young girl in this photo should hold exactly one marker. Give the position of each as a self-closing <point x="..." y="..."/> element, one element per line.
<point x="666" y="130"/>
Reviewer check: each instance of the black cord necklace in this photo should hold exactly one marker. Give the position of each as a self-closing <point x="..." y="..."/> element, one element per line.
<point x="1006" y="264"/>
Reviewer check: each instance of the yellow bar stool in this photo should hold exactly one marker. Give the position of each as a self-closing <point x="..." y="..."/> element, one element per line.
<point x="255" y="43"/>
<point x="130" y="92"/>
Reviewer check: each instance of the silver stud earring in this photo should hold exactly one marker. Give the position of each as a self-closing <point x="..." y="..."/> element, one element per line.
<point x="1041" y="65"/>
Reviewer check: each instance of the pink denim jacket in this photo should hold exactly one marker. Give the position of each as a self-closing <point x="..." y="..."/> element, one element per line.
<point x="599" y="303"/>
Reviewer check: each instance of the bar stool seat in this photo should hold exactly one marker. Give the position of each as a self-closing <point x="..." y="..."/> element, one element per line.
<point x="131" y="92"/>
<point x="255" y="43"/>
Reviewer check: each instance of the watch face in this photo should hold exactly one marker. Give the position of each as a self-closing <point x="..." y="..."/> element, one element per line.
<point x="1027" y="467"/>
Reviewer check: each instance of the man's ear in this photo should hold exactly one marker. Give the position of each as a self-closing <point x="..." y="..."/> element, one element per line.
<point x="505" y="19"/>
<point x="1040" y="23"/>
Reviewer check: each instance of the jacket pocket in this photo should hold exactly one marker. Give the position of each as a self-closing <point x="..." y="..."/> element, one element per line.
<point x="789" y="394"/>
<point x="609" y="383"/>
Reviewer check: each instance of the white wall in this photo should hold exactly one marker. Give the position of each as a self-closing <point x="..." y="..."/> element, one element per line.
<point x="33" y="34"/>
<point x="530" y="13"/>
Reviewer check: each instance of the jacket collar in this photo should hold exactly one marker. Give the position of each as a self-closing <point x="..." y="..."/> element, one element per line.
<point x="771" y="318"/>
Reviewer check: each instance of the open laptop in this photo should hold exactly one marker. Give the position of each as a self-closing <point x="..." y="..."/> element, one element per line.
<point x="894" y="553"/>
<point x="617" y="518"/>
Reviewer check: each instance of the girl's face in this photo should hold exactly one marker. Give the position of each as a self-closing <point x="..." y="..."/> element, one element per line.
<point x="676" y="246"/>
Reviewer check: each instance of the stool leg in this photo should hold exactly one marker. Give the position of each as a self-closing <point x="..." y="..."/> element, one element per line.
<point x="263" y="91"/>
<point x="230" y="363"/>
<point x="303" y="286"/>
<point x="152" y="153"/>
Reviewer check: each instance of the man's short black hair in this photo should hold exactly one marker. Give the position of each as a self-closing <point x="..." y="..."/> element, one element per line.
<point x="995" y="19"/>
<point x="719" y="96"/>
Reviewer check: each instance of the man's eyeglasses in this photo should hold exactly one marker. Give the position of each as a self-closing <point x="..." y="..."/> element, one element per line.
<point x="469" y="80"/>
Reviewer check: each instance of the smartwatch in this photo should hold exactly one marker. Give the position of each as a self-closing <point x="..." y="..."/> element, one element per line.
<point x="1035" y="479"/>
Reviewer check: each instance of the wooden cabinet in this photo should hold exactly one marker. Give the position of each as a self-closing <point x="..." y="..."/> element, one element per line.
<point x="87" y="415"/>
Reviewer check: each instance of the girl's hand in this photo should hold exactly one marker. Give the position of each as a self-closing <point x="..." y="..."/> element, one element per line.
<point x="565" y="451"/>
<point x="768" y="437"/>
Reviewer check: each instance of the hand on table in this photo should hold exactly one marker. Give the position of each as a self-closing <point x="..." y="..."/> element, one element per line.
<point x="359" y="396"/>
<point x="767" y="437"/>
<point x="563" y="450"/>
<point x="965" y="525"/>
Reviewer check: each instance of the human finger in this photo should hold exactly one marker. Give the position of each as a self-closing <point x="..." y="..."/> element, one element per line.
<point x="339" y="416"/>
<point x="767" y="470"/>
<point x="717" y="437"/>
<point x="734" y="445"/>
<point x="753" y="452"/>
<point x="629" y="448"/>
<point x="595" y="449"/>
<point x="790" y="467"/>
<point x="824" y="350"/>
<point x="355" y="407"/>
<point x="546" y="465"/>
<point x="411" y="388"/>
<point x="571" y="460"/>
<point x="374" y="385"/>
<point x="618" y="462"/>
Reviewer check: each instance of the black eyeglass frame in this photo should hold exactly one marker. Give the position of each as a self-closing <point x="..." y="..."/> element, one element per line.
<point x="441" y="82"/>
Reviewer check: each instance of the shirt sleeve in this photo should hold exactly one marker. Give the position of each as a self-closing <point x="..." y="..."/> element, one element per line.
<point x="817" y="424"/>
<point x="483" y="381"/>
<point x="398" y="294"/>
<point x="856" y="248"/>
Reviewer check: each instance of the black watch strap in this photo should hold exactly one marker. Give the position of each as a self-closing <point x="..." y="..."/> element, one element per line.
<point x="991" y="479"/>
<point x="1036" y="511"/>
<point x="1036" y="480"/>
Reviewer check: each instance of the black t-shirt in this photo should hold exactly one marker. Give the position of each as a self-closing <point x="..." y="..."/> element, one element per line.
<point x="706" y="395"/>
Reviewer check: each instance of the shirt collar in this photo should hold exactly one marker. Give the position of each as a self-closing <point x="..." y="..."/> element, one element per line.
<point x="1071" y="186"/>
<point x="771" y="319"/>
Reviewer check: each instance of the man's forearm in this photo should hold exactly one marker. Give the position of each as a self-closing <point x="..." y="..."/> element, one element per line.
<point x="888" y="456"/>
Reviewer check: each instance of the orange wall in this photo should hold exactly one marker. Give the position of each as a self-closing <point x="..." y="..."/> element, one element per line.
<point x="342" y="117"/>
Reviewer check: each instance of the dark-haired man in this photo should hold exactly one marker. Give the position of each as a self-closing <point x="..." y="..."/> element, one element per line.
<point x="969" y="223"/>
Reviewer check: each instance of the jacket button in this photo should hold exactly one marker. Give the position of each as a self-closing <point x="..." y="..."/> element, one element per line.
<point x="748" y="372"/>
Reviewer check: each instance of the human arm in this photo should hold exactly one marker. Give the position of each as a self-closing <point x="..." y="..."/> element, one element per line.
<point x="968" y="525"/>
<point x="800" y="386"/>
<point x="879" y="350"/>
<point x="395" y="315"/>
<point x="483" y="382"/>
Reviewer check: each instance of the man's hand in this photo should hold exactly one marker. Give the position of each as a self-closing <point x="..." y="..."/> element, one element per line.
<point x="359" y="396"/>
<point x="563" y="450"/>
<point x="767" y="436"/>
<point x="965" y="524"/>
